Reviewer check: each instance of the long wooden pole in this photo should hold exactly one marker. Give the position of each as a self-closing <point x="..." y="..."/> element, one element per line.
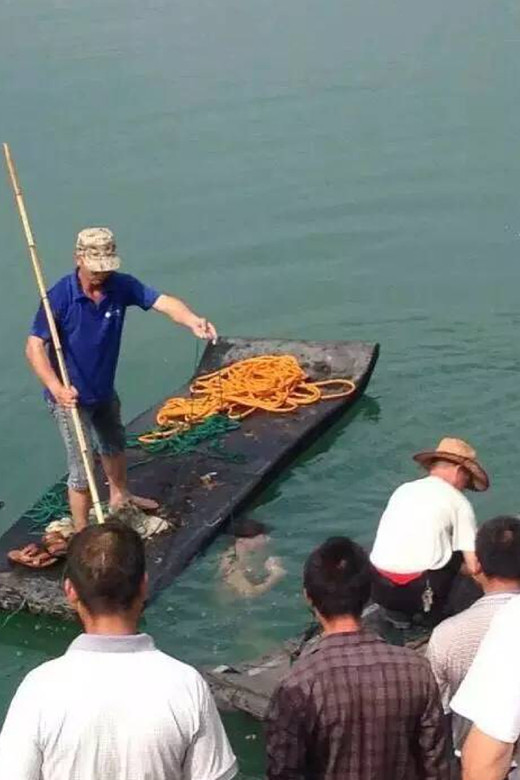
<point x="82" y="442"/>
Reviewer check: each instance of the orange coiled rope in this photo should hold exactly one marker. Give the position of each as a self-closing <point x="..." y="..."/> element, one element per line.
<point x="274" y="383"/>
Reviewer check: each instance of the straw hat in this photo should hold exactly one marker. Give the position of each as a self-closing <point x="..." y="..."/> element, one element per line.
<point x="459" y="452"/>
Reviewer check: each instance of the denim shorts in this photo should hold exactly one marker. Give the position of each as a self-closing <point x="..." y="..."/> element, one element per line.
<point x="103" y="430"/>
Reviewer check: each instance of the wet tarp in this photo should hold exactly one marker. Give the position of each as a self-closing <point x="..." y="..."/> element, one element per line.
<point x="265" y="443"/>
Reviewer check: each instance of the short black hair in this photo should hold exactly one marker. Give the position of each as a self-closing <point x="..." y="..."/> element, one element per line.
<point x="106" y="566"/>
<point x="498" y="547"/>
<point x="249" y="528"/>
<point x="336" y="577"/>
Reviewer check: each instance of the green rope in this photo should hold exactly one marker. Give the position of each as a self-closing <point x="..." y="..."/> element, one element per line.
<point x="53" y="504"/>
<point x="182" y="443"/>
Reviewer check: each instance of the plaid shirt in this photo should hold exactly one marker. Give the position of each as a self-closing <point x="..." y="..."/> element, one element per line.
<point x="357" y="708"/>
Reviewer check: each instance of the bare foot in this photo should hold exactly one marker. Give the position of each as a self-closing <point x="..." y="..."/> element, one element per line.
<point x="147" y="504"/>
<point x="144" y="503"/>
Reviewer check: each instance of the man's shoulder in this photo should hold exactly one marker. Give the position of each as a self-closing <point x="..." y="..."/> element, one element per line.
<point x="176" y="669"/>
<point x="370" y="650"/>
<point x="64" y="286"/>
<point x="415" y="487"/>
<point x="400" y="656"/>
<point x="122" y="280"/>
<point x="453" y="626"/>
<point x="45" y="674"/>
<point x="459" y="629"/>
<point x="441" y="487"/>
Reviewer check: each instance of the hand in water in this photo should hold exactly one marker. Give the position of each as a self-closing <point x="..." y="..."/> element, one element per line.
<point x="274" y="566"/>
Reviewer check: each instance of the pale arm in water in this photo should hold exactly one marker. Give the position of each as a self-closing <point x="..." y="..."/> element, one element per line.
<point x="235" y="577"/>
<point x="36" y="354"/>
<point x="181" y="314"/>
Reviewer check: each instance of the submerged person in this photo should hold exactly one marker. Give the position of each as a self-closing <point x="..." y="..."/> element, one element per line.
<point x="113" y="706"/>
<point x="89" y="307"/>
<point x="427" y="531"/>
<point x="244" y="567"/>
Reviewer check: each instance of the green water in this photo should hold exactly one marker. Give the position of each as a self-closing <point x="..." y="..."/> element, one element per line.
<point x="301" y="169"/>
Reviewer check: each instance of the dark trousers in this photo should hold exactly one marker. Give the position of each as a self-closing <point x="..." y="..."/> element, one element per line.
<point x="408" y="599"/>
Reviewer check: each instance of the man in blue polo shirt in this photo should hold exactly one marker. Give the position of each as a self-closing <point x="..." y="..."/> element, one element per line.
<point x="89" y="307"/>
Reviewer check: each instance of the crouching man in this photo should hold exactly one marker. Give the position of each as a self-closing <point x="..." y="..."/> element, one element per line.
<point x="427" y="532"/>
<point x="113" y="706"/>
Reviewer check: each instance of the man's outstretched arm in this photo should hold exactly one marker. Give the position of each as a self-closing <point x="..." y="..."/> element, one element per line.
<point x="180" y="313"/>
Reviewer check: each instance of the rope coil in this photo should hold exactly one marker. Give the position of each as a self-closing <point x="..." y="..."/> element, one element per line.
<point x="272" y="383"/>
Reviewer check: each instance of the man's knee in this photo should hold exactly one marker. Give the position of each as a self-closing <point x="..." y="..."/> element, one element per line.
<point x="109" y="433"/>
<point x="77" y="481"/>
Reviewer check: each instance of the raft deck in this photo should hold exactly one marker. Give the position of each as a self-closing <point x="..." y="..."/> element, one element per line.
<point x="199" y="507"/>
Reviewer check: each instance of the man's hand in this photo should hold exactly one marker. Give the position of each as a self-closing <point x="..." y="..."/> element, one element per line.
<point x="176" y="310"/>
<point x="274" y="567"/>
<point x="203" y="329"/>
<point x="65" y="396"/>
<point x="470" y="566"/>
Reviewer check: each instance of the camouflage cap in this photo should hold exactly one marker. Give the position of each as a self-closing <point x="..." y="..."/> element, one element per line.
<point x="96" y="246"/>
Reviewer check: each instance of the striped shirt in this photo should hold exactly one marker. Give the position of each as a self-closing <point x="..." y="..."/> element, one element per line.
<point x="453" y="646"/>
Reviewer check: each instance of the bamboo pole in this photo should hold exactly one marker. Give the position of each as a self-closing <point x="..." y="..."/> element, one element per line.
<point x="64" y="374"/>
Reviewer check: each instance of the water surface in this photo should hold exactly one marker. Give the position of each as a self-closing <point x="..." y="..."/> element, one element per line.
<point x="342" y="170"/>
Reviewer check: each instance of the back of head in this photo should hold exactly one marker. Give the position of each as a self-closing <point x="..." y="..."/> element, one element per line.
<point x="498" y="547"/>
<point x="249" y="528"/>
<point x="336" y="578"/>
<point x="106" y="566"/>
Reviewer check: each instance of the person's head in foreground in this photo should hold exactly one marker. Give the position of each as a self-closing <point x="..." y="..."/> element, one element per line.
<point x="498" y="552"/>
<point x="96" y="255"/>
<point x="105" y="578"/>
<point x="454" y="461"/>
<point x="113" y="706"/>
<point x="336" y="580"/>
<point x="250" y="535"/>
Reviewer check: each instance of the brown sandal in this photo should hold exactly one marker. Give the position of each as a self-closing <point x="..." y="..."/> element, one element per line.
<point x="33" y="556"/>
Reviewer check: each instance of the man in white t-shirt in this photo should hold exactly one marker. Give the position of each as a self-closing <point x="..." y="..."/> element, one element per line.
<point x="427" y="529"/>
<point x="490" y="697"/>
<point x="113" y="707"/>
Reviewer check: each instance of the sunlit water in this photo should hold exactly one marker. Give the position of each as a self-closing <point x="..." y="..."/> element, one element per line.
<point x="327" y="171"/>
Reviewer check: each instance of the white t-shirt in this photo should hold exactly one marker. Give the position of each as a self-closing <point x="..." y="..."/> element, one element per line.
<point x="424" y="522"/>
<point x="489" y="695"/>
<point x="114" y="708"/>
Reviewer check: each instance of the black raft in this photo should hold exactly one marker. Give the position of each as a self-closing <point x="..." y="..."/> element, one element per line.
<point x="201" y="489"/>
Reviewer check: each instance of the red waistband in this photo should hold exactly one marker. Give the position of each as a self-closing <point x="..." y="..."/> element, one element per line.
<point x="399" y="579"/>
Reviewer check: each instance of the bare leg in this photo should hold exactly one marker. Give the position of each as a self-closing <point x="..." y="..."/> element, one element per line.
<point x="80" y="503"/>
<point x="115" y="470"/>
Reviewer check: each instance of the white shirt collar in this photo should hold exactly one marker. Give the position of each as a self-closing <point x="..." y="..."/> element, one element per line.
<point x="103" y="643"/>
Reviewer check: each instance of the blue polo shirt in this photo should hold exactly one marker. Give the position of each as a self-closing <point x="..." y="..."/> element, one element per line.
<point x="90" y="333"/>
